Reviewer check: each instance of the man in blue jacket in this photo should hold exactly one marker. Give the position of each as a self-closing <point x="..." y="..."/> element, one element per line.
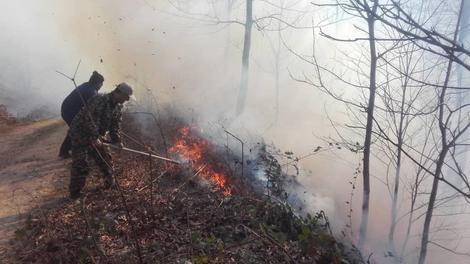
<point x="74" y="102"/>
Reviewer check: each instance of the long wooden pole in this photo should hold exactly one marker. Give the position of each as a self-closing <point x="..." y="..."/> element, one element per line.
<point x="142" y="153"/>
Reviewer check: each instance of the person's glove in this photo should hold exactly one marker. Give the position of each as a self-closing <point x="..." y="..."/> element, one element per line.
<point x="97" y="143"/>
<point x="119" y="145"/>
<point x="104" y="140"/>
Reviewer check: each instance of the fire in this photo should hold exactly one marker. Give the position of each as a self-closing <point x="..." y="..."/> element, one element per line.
<point x="197" y="151"/>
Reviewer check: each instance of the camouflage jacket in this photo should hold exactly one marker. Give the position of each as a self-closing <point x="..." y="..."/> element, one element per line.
<point x="105" y="116"/>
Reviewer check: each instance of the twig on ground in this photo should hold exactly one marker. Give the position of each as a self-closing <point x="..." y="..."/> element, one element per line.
<point x="192" y="177"/>
<point x="153" y="181"/>
<point x="271" y="240"/>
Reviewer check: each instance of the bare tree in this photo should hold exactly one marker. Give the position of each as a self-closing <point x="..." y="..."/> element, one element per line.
<point x="445" y="147"/>
<point x="248" y="23"/>
<point x="449" y="132"/>
<point x="277" y="34"/>
<point x="400" y="107"/>
<point x="241" y="100"/>
<point x="409" y="32"/>
<point x="414" y="188"/>
<point x="367" y="12"/>
<point x="463" y="94"/>
<point x="370" y="14"/>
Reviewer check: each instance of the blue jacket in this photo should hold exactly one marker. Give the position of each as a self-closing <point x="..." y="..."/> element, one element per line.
<point x="73" y="103"/>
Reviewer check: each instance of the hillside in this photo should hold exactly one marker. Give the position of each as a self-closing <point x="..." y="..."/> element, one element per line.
<point x="158" y="213"/>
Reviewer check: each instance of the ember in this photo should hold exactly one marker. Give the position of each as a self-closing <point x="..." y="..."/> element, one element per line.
<point x="199" y="153"/>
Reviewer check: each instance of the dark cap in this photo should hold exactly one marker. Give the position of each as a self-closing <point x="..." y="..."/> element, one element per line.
<point x="96" y="78"/>
<point x="126" y="89"/>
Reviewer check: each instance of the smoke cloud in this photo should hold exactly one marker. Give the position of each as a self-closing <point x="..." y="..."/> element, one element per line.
<point x="193" y="66"/>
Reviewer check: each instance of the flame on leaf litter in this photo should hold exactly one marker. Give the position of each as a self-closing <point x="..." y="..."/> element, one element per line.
<point x="199" y="152"/>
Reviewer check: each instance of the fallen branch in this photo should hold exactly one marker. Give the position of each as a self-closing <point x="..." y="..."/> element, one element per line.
<point x="271" y="240"/>
<point x="154" y="180"/>
<point x="194" y="176"/>
<point x="239" y="245"/>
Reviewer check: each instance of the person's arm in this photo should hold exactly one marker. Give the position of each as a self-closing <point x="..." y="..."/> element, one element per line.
<point x="115" y="126"/>
<point x="93" y="110"/>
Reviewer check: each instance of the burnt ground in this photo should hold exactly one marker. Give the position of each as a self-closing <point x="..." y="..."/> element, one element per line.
<point x="31" y="174"/>
<point x="156" y="214"/>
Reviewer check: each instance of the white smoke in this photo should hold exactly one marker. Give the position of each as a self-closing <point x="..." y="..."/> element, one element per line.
<point x="195" y="67"/>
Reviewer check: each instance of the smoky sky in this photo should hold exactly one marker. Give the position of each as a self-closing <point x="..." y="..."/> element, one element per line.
<point x="194" y="65"/>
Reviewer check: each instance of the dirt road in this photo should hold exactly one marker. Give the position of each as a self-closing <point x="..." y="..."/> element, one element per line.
<point x="31" y="174"/>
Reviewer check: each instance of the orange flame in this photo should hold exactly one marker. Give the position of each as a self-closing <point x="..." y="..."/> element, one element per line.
<point x="196" y="150"/>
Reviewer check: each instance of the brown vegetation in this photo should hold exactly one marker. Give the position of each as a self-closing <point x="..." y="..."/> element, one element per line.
<point x="5" y="117"/>
<point x="165" y="214"/>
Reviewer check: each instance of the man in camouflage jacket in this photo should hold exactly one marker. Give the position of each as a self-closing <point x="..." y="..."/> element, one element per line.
<point x="100" y="115"/>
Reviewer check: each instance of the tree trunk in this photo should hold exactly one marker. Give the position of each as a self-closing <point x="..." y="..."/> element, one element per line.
<point x="228" y="15"/>
<point x="396" y="186"/>
<point x="369" y="126"/>
<point x="276" y="73"/>
<point x="410" y="217"/>
<point x="442" y="154"/>
<point x="429" y="211"/>
<point x="414" y="197"/>
<point x="393" y="220"/>
<point x="245" y="59"/>
<point x="463" y="96"/>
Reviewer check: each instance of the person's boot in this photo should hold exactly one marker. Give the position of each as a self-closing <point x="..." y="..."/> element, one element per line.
<point x="77" y="182"/>
<point x="108" y="181"/>
<point x="64" y="155"/>
<point x="74" y="195"/>
<point x="64" y="152"/>
<point x="65" y="148"/>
